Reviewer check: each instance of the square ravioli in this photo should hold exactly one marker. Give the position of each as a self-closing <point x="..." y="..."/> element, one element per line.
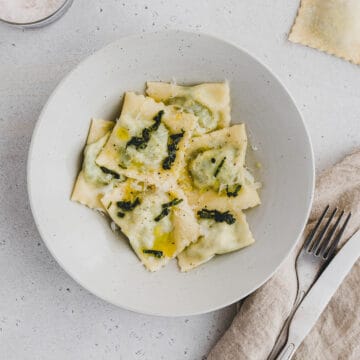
<point x="332" y="26"/>
<point x="93" y="180"/>
<point x="215" y="175"/>
<point x="210" y="102"/>
<point x="148" y="141"/>
<point x="220" y="233"/>
<point x="159" y="224"/>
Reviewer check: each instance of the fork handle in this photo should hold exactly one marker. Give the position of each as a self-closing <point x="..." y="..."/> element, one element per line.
<point x="287" y="352"/>
<point x="281" y="340"/>
<point x="303" y="288"/>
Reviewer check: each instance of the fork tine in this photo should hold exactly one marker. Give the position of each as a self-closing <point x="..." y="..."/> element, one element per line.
<point x="314" y="230"/>
<point x="327" y="241"/>
<point x="331" y="251"/>
<point x="320" y="237"/>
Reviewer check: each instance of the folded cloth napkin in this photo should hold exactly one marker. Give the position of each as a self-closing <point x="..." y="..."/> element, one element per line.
<point x="336" y="335"/>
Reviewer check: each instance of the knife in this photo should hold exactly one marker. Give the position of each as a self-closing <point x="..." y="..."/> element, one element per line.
<point x="319" y="295"/>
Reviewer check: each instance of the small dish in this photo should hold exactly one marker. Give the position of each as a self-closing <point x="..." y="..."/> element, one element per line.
<point x="46" y="20"/>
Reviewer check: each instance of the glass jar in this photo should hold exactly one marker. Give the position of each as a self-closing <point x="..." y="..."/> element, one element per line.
<point x="32" y="13"/>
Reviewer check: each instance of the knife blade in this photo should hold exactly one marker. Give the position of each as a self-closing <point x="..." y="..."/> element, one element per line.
<point x="319" y="295"/>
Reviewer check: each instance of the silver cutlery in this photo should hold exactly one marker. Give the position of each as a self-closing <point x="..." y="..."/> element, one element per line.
<point x="318" y="250"/>
<point x="319" y="295"/>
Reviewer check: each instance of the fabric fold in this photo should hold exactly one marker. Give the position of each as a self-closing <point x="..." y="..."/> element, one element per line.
<point x="336" y="335"/>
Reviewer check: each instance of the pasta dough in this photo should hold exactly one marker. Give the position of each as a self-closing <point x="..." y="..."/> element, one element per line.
<point x="88" y="188"/>
<point x="148" y="141"/>
<point x="210" y="102"/>
<point x="158" y="224"/>
<point x="214" y="175"/>
<point x="332" y="26"/>
<point x="216" y="238"/>
<point x="171" y="174"/>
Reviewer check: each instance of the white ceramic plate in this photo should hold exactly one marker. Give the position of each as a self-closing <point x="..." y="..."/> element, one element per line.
<point x="81" y="240"/>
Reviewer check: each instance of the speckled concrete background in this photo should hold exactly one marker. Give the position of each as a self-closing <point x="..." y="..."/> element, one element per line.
<point x="44" y="314"/>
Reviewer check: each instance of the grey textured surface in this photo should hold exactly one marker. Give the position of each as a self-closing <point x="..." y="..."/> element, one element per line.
<point x="44" y="314"/>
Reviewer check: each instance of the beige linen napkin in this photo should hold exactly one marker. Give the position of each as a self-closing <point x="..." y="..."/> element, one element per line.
<point x="261" y="316"/>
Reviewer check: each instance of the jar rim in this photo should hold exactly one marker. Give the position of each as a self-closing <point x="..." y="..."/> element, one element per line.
<point x="43" y="21"/>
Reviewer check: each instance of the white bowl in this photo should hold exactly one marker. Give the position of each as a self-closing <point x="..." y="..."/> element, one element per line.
<point x="81" y="240"/>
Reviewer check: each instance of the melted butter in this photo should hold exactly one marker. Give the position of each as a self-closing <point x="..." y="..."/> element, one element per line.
<point x="163" y="241"/>
<point x="123" y="134"/>
<point x="129" y="192"/>
<point x="137" y="164"/>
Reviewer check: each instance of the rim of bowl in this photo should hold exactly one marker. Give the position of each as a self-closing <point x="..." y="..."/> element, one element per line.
<point x="310" y="194"/>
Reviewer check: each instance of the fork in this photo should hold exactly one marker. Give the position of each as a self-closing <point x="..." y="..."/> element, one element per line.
<point x="317" y="251"/>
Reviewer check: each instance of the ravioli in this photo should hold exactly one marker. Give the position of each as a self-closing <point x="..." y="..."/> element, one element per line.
<point x="171" y="174"/>
<point x="215" y="175"/>
<point x="93" y="181"/>
<point x="148" y="141"/>
<point x="210" y="102"/>
<point x="159" y="224"/>
<point x="329" y="25"/>
<point x="216" y="237"/>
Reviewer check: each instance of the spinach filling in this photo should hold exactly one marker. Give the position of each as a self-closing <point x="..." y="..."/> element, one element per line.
<point x="217" y="216"/>
<point x="140" y="142"/>
<point x="206" y="118"/>
<point x="172" y="147"/>
<point x="166" y="208"/>
<point x="216" y="169"/>
<point x="99" y="176"/>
